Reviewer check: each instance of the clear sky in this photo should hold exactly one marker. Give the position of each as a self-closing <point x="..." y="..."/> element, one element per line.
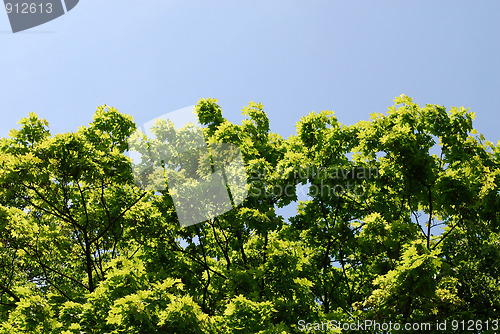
<point x="150" y="57"/>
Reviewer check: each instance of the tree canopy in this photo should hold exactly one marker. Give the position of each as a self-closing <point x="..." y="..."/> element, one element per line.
<point x="401" y="225"/>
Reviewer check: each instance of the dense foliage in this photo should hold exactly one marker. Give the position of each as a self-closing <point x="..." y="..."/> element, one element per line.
<point x="401" y="225"/>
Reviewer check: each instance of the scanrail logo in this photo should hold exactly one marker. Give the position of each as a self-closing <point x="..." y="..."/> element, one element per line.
<point x="203" y="179"/>
<point x="26" y="14"/>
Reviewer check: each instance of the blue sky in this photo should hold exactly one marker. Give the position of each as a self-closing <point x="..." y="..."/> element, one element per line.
<point x="150" y="57"/>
